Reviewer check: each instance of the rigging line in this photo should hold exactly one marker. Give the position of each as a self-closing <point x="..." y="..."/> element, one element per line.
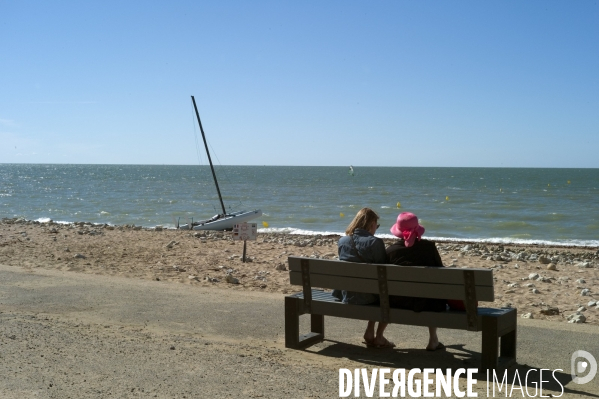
<point x="222" y="171"/>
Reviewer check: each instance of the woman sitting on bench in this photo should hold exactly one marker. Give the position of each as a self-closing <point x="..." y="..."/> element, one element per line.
<point x="360" y="245"/>
<point x="411" y="250"/>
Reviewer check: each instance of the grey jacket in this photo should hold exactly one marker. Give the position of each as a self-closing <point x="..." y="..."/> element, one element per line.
<point x="368" y="249"/>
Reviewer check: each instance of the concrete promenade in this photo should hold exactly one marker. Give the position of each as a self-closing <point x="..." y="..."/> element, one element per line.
<point x="77" y="335"/>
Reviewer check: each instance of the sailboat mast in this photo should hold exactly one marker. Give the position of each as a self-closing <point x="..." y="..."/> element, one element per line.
<point x="220" y="197"/>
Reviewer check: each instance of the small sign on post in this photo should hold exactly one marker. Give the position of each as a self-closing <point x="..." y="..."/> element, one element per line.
<point x="245" y="231"/>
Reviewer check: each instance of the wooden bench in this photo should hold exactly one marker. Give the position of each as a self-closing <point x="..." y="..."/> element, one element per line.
<point x="469" y="285"/>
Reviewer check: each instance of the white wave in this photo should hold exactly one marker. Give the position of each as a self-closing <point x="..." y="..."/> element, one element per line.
<point x="48" y="220"/>
<point x="507" y="240"/>
<point x="494" y="240"/>
<point x="295" y="231"/>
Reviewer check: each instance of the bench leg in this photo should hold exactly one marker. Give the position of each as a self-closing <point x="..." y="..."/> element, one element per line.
<point x="291" y="323"/>
<point x="293" y="339"/>
<point x="508" y="347"/>
<point x="495" y="347"/>
<point x="490" y="344"/>
<point x="317" y="324"/>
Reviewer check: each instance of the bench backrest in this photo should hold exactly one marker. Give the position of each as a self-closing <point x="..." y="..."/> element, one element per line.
<point x="414" y="281"/>
<point x="469" y="285"/>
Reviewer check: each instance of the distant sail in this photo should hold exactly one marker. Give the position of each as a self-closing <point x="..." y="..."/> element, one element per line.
<point x="351" y="170"/>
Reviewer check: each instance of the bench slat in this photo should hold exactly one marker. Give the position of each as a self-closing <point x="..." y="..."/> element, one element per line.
<point x="423" y="290"/>
<point x="483" y="277"/>
<point x="327" y="306"/>
<point x="448" y="319"/>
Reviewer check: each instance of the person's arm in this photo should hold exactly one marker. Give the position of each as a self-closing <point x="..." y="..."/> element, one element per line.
<point x="379" y="252"/>
<point x="436" y="255"/>
<point x="341" y="251"/>
<point x="346" y="251"/>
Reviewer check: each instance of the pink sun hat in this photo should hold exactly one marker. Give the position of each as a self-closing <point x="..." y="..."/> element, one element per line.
<point x="407" y="227"/>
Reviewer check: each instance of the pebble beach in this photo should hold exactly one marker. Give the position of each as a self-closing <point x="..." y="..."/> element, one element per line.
<point x="541" y="282"/>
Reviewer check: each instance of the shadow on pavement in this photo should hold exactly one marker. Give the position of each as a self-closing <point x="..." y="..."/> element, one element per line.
<point x="522" y="378"/>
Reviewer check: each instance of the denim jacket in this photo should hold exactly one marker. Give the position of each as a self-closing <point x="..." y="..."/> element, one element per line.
<point x="370" y="250"/>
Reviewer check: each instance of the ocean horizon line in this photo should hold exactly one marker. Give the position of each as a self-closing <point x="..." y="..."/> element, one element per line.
<point x="303" y="166"/>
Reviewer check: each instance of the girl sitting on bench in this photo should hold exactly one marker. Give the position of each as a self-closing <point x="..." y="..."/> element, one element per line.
<point x="360" y="245"/>
<point x="412" y="250"/>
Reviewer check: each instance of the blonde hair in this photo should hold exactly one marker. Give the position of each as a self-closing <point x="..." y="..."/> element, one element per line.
<point x="362" y="220"/>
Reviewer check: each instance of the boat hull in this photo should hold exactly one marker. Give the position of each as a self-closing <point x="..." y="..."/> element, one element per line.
<point x="225" y="223"/>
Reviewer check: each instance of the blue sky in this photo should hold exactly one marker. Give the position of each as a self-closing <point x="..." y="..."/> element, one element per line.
<point x="386" y="83"/>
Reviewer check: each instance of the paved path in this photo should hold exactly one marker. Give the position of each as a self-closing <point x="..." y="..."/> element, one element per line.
<point x="74" y="335"/>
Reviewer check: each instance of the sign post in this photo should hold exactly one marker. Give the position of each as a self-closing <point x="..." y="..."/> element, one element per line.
<point x="245" y="231"/>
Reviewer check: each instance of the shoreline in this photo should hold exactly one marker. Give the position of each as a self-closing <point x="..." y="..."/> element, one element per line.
<point x="308" y="233"/>
<point x="543" y="282"/>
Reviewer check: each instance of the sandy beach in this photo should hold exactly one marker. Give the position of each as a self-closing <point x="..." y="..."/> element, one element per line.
<point x="549" y="283"/>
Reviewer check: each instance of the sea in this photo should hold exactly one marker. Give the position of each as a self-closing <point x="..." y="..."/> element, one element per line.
<point x="495" y="205"/>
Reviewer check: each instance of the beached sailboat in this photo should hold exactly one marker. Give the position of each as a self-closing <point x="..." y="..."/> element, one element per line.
<point x="225" y="220"/>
